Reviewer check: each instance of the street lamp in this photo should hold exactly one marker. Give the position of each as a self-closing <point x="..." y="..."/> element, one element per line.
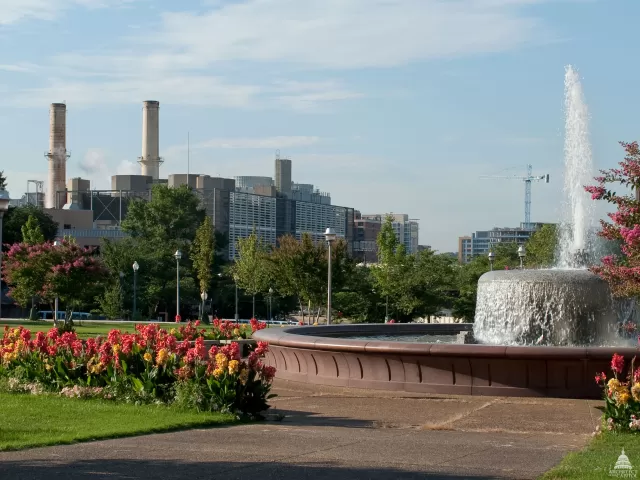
<point x="4" y="207"/>
<point x="330" y="237"/>
<point x="492" y="257"/>
<point x="236" y="316"/>
<point x="204" y="297"/>
<point x="521" y="253"/>
<point x="178" y="256"/>
<point x="136" y="267"/>
<point x="55" y="303"/>
<point x="270" y="309"/>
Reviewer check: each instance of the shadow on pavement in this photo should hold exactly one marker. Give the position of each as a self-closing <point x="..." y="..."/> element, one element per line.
<point x="283" y="416"/>
<point x="169" y="470"/>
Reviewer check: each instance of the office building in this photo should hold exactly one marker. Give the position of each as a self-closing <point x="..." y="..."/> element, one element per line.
<point x="368" y="227"/>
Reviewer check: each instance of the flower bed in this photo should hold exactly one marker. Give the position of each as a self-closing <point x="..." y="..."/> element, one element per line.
<point x="151" y="365"/>
<point x="219" y="330"/>
<point x="621" y="395"/>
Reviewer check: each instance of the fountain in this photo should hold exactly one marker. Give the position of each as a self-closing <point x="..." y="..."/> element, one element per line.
<point x="566" y="305"/>
<point x="539" y="332"/>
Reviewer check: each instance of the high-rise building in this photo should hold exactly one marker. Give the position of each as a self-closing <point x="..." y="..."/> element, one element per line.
<point x="283" y="176"/>
<point x="367" y="230"/>
<point x="482" y="241"/>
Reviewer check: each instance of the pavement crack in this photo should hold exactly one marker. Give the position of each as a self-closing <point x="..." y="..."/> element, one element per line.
<point x="446" y="424"/>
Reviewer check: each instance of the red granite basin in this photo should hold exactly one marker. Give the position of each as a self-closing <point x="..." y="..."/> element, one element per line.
<point x="319" y="355"/>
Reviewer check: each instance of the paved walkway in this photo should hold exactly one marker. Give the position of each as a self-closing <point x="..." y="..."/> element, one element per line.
<point x="339" y="434"/>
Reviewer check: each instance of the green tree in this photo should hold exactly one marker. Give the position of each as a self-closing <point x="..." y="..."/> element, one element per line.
<point x="17" y="217"/>
<point x="250" y="269"/>
<point x="541" y="247"/>
<point x="31" y="233"/>
<point x="393" y="265"/>
<point x="202" y="255"/>
<point x="3" y="180"/>
<point x="112" y="301"/>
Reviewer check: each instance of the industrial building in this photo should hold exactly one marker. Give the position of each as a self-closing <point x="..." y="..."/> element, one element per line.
<point x="482" y="241"/>
<point x="272" y="206"/>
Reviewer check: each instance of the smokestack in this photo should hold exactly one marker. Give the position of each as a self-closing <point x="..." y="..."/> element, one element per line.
<point x="150" y="160"/>
<point x="57" y="156"/>
<point x="283" y="175"/>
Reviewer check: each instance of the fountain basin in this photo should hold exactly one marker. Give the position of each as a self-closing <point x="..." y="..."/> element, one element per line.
<point x="544" y="307"/>
<point x="318" y="355"/>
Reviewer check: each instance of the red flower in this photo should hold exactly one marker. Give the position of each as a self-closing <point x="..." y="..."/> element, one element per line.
<point x="617" y="363"/>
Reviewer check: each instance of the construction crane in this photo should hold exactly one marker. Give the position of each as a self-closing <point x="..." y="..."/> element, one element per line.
<point x="527" y="179"/>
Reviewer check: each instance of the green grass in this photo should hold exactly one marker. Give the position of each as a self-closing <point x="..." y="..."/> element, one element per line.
<point x="595" y="461"/>
<point x="83" y="329"/>
<point x="38" y="420"/>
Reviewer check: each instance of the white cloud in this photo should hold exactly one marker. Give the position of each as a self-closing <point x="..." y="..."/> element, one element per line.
<point x="183" y="58"/>
<point x="127" y="167"/>
<point x="260" y="142"/>
<point x="13" y="11"/>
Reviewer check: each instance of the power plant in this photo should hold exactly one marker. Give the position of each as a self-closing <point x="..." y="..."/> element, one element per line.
<point x="150" y="160"/>
<point x="57" y="155"/>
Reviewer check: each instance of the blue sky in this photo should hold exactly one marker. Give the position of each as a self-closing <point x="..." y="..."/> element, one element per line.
<point x="390" y="105"/>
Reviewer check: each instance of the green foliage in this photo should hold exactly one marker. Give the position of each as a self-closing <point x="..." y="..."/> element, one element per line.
<point x="202" y="253"/>
<point x="112" y="301"/>
<point x="541" y="247"/>
<point x="16" y="217"/>
<point x="3" y="180"/>
<point x="250" y="270"/>
<point x="31" y="233"/>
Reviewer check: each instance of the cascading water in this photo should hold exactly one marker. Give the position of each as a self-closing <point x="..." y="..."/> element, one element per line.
<point x="576" y="233"/>
<point x="566" y="305"/>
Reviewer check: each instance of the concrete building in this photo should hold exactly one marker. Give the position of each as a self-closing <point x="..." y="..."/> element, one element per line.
<point x="77" y="190"/>
<point x="283" y="175"/>
<point x="247" y="184"/>
<point x="305" y="192"/>
<point x="368" y="227"/>
<point x="136" y="183"/>
<point x="57" y="155"/>
<point x="482" y="241"/>
<point x="150" y="159"/>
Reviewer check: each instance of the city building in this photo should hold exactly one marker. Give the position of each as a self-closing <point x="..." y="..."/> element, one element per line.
<point x="482" y="241"/>
<point x="368" y="227"/>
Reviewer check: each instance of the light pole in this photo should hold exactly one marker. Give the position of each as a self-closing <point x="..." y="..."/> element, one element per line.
<point x="204" y="297"/>
<point x="178" y="256"/>
<point x="136" y="267"/>
<point x="270" y="309"/>
<point x="55" y="302"/>
<point x="330" y="237"/>
<point x="237" y="315"/>
<point x="492" y="257"/>
<point x="522" y="253"/>
<point x="4" y="207"/>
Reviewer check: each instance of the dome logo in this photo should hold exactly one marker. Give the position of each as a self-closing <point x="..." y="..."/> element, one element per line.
<point x="623" y="468"/>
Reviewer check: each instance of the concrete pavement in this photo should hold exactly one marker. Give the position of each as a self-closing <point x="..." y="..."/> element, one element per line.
<point x="337" y="433"/>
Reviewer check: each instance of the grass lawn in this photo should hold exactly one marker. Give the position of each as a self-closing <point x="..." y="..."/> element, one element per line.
<point x="38" y="420"/>
<point x="83" y="329"/>
<point x="598" y="458"/>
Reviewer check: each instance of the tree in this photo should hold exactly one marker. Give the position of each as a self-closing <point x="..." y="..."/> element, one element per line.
<point x="541" y="247"/>
<point x="17" y="217"/>
<point x="112" y="301"/>
<point x="250" y="269"/>
<point x="3" y="180"/>
<point x="393" y="263"/>
<point x="31" y="233"/>
<point x="66" y="271"/>
<point x="202" y="256"/>
<point x="622" y="272"/>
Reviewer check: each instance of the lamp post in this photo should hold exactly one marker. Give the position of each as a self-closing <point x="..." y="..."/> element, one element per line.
<point x="136" y="267"/>
<point x="522" y="253"/>
<point x="204" y="297"/>
<point x="4" y="206"/>
<point x="237" y="315"/>
<point x="55" y="302"/>
<point x="330" y="237"/>
<point x="270" y="309"/>
<point x="492" y="257"/>
<point x="178" y="256"/>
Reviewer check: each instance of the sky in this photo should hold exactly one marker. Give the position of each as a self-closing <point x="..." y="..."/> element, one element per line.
<point x="390" y="105"/>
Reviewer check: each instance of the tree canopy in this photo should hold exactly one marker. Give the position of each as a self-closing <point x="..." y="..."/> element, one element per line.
<point x="16" y="217"/>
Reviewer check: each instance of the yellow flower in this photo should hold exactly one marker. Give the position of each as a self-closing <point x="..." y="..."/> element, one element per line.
<point x="218" y="372"/>
<point x="623" y="398"/>
<point x="222" y="361"/>
<point x="635" y="391"/>
<point x="147" y="357"/>
<point x="613" y="385"/>
<point x="233" y="366"/>
<point x="116" y="349"/>
<point x="47" y="367"/>
<point x="162" y="357"/>
<point x="173" y="331"/>
<point x="244" y="376"/>
<point x="236" y="332"/>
